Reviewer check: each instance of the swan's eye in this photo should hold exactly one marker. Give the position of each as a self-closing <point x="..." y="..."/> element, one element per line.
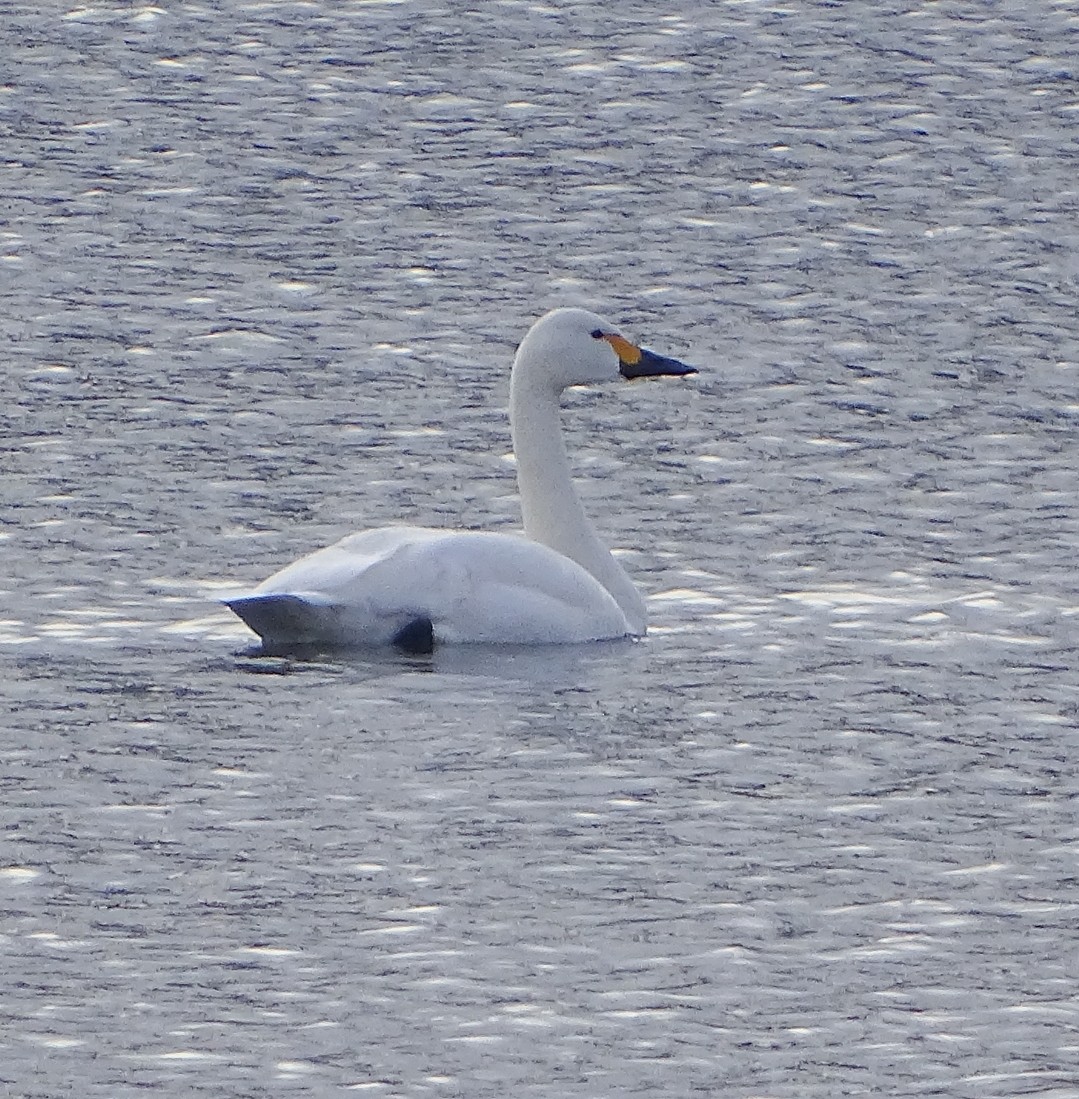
<point x="597" y="334"/>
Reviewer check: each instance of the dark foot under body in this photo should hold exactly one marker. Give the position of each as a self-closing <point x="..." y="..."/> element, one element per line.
<point x="417" y="637"/>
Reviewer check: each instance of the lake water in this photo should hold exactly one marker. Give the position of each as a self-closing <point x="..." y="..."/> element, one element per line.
<point x="264" y="268"/>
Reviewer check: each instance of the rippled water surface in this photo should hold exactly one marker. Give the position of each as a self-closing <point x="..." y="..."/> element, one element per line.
<point x="264" y="267"/>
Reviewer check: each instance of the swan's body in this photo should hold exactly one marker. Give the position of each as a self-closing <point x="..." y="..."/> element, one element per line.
<point x="416" y="587"/>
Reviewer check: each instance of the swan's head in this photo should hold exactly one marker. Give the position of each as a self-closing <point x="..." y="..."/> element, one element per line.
<point x="575" y="347"/>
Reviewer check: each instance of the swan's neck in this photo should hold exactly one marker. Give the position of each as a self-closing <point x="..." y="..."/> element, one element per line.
<point x="551" y="508"/>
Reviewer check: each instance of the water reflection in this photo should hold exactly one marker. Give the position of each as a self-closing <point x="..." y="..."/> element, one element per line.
<point x="553" y="666"/>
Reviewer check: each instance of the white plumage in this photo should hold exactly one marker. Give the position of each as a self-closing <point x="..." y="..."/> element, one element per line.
<point x="417" y="586"/>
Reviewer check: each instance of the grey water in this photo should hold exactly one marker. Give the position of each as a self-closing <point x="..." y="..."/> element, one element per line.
<point x="262" y="271"/>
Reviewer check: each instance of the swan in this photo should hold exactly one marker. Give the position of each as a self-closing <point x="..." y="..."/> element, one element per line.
<point x="415" y="587"/>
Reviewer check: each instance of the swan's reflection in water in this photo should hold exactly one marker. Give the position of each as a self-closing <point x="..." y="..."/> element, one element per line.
<point x="555" y="667"/>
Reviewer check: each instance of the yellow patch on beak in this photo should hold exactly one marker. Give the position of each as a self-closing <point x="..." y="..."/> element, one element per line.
<point x="627" y="353"/>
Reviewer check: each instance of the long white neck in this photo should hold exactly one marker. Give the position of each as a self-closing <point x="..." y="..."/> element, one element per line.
<point x="552" y="510"/>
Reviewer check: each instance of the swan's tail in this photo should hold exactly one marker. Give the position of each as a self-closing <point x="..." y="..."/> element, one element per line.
<point x="287" y="620"/>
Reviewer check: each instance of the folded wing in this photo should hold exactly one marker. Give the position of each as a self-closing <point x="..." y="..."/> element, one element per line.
<point x="404" y="584"/>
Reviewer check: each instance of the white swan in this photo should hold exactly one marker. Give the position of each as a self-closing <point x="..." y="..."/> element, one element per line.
<point x="415" y="587"/>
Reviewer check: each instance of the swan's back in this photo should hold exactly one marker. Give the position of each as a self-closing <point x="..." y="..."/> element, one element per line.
<point x="382" y="586"/>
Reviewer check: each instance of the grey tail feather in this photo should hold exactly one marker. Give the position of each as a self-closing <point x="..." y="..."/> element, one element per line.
<point x="287" y="619"/>
<point x="416" y="637"/>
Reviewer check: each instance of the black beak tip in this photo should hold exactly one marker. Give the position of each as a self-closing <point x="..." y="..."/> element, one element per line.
<point x="651" y="365"/>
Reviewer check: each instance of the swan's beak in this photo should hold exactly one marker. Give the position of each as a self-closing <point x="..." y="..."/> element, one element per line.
<point x="639" y="362"/>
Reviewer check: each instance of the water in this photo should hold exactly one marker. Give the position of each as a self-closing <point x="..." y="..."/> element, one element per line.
<point x="816" y="836"/>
